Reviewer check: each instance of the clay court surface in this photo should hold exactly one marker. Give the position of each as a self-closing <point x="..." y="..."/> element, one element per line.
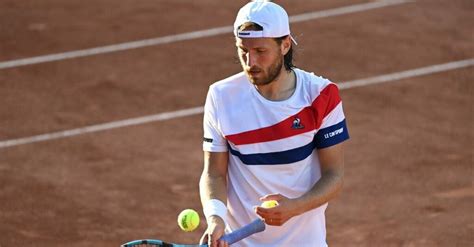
<point x="409" y="161"/>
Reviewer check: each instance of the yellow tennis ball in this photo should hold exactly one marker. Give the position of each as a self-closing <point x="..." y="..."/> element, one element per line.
<point x="188" y="220"/>
<point x="269" y="204"/>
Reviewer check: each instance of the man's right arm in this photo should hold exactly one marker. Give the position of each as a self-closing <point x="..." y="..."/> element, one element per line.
<point x="213" y="185"/>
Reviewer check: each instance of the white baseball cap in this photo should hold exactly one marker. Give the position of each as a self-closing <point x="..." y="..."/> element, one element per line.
<point x="271" y="16"/>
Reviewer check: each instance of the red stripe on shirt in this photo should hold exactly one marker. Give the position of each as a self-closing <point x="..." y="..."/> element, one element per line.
<point x="310" y="117"/>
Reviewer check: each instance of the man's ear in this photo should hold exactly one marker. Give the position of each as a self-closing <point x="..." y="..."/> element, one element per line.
<point x="285" y="45"/>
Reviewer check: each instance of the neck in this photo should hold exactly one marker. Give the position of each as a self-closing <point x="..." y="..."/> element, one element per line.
<point x="281" y="88"/>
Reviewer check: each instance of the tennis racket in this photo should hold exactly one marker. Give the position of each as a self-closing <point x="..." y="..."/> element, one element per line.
<point x="256" y="226"/>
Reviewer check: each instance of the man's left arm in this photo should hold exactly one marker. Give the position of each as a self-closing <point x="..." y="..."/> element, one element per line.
<point x="328" y="186"/>
<point x="332" y="176"/>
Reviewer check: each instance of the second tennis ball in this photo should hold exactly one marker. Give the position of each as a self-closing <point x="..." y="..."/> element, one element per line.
<point x="188" y="220"/>
<point x="269" y="204"/>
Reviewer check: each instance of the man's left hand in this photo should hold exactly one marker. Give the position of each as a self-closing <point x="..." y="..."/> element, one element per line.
<point x="278" y="215"/>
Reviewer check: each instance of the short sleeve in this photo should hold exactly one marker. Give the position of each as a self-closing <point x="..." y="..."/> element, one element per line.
<point x="213" y="140"/>
<point x="333" y="127"/>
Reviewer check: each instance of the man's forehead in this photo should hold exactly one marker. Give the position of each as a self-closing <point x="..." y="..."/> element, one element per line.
<point x="255" y="42"/>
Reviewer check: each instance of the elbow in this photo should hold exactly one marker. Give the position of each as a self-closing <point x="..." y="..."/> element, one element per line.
<point x="339" y="186"/>
<point x="338" y="183"/>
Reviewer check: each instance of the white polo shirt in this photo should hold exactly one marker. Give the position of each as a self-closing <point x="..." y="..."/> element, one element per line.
<point x="272" y="149"/>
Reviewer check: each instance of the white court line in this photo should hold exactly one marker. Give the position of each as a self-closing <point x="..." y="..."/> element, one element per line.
<point x="199" y="110"/>
<point x="407" y="74"/>
<point x="189" y="36"/>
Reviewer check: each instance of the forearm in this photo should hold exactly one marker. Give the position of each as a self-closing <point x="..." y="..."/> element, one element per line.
<point x="212" y="187"/>
<point x="213" y="182"/>
<point x="331" y="161"/>
<point x="327" y="188"/>
<point x="213" y="192"/>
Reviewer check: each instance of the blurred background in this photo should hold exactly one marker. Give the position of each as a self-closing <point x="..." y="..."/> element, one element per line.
<point x="101" y="116"/>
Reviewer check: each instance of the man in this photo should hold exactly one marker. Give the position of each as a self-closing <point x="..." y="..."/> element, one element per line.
<point x="271" y="132"/>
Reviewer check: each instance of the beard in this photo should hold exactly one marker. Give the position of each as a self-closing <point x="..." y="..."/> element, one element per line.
<point x="260" y="77"/>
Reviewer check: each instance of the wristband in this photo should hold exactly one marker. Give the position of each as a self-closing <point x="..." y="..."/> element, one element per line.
<point x="215" y="207"/>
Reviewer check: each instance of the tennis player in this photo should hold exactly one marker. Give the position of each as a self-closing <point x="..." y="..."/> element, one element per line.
<point x="271" y="132"/>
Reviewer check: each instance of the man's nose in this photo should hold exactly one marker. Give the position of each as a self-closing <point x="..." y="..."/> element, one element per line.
<point x="251" y="59"/>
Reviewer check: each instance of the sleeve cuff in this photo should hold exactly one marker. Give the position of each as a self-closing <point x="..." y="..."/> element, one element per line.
<point x="332" y="135"/>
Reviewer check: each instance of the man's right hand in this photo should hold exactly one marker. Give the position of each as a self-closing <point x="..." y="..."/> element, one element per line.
<point x="215" y="230"/>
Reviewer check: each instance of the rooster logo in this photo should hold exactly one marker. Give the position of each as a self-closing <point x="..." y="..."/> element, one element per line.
<point x="297" y="124"/>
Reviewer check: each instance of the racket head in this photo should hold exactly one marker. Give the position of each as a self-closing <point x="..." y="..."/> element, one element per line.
<point x="256" y="226"/>
<point x="157" y="243"/>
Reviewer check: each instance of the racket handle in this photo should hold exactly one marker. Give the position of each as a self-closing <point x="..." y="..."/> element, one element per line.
<point x="256" y="226"/>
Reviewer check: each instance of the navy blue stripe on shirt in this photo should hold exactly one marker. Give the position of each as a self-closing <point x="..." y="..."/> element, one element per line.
<point x="276" y="158"/>
<point x="324" y="138"/>
<point x="331" y="135"/>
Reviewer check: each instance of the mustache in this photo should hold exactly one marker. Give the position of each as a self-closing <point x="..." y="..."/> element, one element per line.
<point x="253" y="69"/>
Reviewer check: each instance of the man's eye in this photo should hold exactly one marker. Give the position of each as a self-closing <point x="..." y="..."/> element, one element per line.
<point x="261" y="50"/>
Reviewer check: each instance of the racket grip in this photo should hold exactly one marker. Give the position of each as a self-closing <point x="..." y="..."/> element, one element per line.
<point x="256" y="226"/>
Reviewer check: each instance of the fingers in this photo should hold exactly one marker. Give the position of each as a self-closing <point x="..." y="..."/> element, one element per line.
<point x="276" y="197"/>
<point x="213" y="241"/>
<point x="273" y="215"/>
<point x="210" y="241"/>
<point x="203" y="239"/>
<point x="223" y="243"/>
<point x="274" y="222"/>
<point x="267" y="212"/>
<point x="215" y="230"/>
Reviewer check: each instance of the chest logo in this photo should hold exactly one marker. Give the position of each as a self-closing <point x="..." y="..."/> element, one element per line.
<point x="297" y="124"/>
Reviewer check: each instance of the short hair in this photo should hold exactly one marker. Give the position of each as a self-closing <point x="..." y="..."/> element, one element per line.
<point x="287" y="59"/>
